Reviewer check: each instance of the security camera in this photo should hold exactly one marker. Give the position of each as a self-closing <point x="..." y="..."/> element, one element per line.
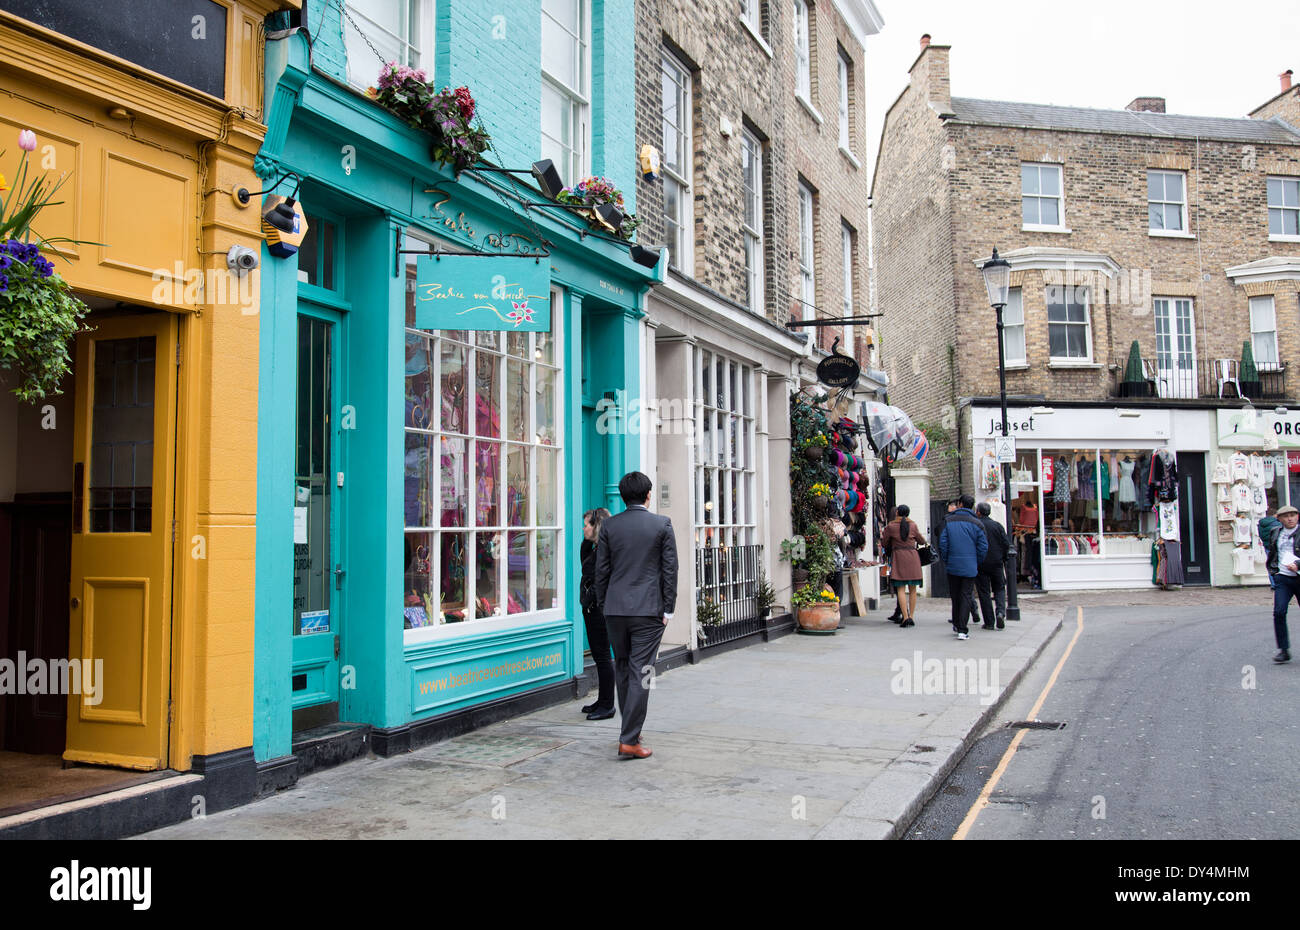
<point x="241" y="260"/>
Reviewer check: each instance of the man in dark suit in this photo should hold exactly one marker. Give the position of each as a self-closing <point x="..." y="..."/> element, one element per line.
<point x="636" y="589"/>
<point x="991" y="582"/>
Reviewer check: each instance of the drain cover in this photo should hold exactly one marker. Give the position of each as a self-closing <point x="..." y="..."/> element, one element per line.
<point x="1035" y="725"/>
<point x="490" y="749"/>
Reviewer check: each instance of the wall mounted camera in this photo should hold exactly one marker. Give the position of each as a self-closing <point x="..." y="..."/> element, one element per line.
<point x="241" y="259"/>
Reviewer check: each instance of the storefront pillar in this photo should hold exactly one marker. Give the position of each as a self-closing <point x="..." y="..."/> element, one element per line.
<point x="912" y="487"/>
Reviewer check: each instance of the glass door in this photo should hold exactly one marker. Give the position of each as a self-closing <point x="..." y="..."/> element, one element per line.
<point x="1175" y="347"/>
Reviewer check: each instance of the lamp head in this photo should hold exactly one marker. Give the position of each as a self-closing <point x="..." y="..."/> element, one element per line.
<point x="997" y="279"/>
<point x="548" y="179"/>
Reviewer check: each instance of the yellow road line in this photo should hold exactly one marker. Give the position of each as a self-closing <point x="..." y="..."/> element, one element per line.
<point x="983" y="800"/>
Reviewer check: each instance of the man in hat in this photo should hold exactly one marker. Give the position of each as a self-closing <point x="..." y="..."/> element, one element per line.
<point x="1278" y="534"/>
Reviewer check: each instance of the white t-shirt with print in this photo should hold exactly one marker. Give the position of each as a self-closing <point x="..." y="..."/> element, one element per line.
<point x="1243" y="562"/>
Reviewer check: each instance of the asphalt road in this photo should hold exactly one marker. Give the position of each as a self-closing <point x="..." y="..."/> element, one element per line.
<point x="1178" y="726"/>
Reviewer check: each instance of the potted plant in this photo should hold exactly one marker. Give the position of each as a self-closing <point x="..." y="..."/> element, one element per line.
<point x="815" y="447"/>
<point x="39" y="314"/>
<point x="1134" y="382"/>
<point x="816" y="608"/>
<point x="793" y="551"/>
<point x="593" y="193"/>
<point x="764" y="596"/>
<point x="444" y="114"/>
<point x="708" y="613"/>
<point x="820" y="494"/>
<point x="1248" y="377"/>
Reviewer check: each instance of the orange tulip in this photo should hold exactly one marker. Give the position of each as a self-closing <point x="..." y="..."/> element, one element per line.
<point x="4" y="186"/>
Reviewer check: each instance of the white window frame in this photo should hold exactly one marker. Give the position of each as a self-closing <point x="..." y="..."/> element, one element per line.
<point x="1059" y="198"/>
<point x="807" y="251"/>
<point x="435" y="429"/>
<point x="802" y="52"/>
<point x="1182" y="230"/>
<point x="1286" y="205"/>
<point x="846" y="249"/>
<point x="681" y="242"/>
<point x="753" y="233"/>
<point x="576" y="163"/>
<point x="1013" y="324"/>
<point x="720" y="463"/>
<point x="845" y="67"/>
<point x="1270" y="332"/>
<point x="414" y="48"/>
<point x="1087" y="324"/>
<point x="1170" y="378"/>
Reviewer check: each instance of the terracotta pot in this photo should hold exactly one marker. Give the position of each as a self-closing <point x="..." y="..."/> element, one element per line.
<point x="820" y="617"/>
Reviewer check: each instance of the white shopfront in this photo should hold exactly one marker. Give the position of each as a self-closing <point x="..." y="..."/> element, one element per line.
<point x="1082" y="517"/>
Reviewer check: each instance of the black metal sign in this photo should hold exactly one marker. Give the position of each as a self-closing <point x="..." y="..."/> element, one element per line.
<point x="838" y="371"/>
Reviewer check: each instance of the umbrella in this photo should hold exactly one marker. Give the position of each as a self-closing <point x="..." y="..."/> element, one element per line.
<point x="880" y="422"/>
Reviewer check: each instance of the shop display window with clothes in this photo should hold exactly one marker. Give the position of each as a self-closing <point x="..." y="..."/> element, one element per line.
<point x="482" y="474"/>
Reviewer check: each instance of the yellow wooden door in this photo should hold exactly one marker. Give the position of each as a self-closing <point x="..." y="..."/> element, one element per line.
<point x="120" y="598"/>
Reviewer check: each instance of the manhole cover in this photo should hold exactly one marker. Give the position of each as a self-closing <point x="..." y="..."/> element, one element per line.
<point x="1035" y="725"/>
<point x="487" y="749"/>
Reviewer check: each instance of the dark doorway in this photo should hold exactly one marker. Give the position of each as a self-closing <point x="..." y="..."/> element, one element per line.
<point x="1194" y="524"/>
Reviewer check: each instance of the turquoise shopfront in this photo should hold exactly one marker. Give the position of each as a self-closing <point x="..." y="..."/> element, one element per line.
<point x="420" y="486"/>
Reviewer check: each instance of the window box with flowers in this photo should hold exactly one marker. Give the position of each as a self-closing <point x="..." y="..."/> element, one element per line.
<point x="445" y="114"/>
<point x="600" y="203"/>
<point x="39" y="314"/>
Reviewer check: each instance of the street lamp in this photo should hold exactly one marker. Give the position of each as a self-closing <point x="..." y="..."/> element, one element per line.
<point x="997" y="279"/>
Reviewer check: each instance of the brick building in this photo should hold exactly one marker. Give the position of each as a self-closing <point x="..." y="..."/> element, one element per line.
<point x="748" y="108"/>
<point x="1123" y="227"/>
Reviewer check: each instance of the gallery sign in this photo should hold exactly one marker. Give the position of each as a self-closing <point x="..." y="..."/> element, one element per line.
<point x="838" y="371"/>
<point x="1249" y="428"/>
<point x="472" y="292"/>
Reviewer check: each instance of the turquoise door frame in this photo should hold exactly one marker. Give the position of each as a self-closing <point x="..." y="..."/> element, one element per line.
<point x="318" y="565"/>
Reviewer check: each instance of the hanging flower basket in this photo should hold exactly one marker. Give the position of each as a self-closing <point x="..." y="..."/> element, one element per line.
<point x="444" y="114"/>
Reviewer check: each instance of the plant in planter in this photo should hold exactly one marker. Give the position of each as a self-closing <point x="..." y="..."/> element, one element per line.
<point x="595" y="192"/>
<point x="1134" y="383"/>
<point x="821" y="495"/>
<point x="39" y="314"/>
<point x="1249" y="374"/>
<point x="764" y="596"/>
<point x="708" y="614"/>
<point x="816" y="608"/>
<point x="444" y="114"/>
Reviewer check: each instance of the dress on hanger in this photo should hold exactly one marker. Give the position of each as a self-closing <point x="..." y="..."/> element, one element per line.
<point x="1103" y="491"/>
<point x="1086" y="475"/>
<point x="1061" y="490"/>
<point x="1127" y="490"/>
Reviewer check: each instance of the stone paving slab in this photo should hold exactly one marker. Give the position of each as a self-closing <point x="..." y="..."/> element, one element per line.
<point x="801" y="737"/>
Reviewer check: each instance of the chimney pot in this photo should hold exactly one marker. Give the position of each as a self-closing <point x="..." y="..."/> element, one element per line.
<point x="1286" y="79"/>
<point x="925" y="40"/>
<point x="1147" y="104"/>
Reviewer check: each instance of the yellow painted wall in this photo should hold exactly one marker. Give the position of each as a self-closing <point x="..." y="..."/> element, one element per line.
<point x="153" y="185"/>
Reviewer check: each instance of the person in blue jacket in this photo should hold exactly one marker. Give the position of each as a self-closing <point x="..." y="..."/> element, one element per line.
<point x="962" y="546"/>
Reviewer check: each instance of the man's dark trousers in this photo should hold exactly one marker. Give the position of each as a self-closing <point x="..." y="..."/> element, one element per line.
<point x="1285" y="587"/>
<point x="992" y="581"/>
<point x="962" y="591"/>
<point x="636" y="642"/>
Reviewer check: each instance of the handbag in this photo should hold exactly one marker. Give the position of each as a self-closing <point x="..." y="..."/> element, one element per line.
<point x="924" y="553"/>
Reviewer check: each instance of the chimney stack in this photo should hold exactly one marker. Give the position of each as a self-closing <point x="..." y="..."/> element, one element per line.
<point x="1147" y="104"/>
<point x="1286" y="80"/>
<point x="925" y="40"/>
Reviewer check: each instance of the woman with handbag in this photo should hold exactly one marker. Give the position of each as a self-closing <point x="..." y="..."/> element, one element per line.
<point x="901" y="539"/>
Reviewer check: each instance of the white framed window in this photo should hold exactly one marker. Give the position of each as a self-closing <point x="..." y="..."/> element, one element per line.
<point x="483" y="476"/>
<point x="1041" y="204"/>
<point x="1284" y="207"/>
<point x="807" y="257"/>
<point x="802" y="51"/>
<point x="845" y="76"/>
<point x="726" y="512"/>
<point x="1013" y="327"/>
<point x="846" y="255"/>
<point x="1167" y="201"/>
<point x="1263" y="332"/>
<point x="1069" y="330"/>
<point x="401" y="30"/>
<point x="751" y="11"/>
<point x="566" y="86"/>
<point x="752" y="172"/>
<point x="678" y="200"/>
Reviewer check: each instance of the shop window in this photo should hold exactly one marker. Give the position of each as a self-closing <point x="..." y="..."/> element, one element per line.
<point x="482" y="474"/>
<point x="1094" y="502"/>
<point x="725" y="511"/>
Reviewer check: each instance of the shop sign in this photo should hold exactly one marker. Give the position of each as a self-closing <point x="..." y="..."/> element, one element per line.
<point x="449" y="682"/>
<point x="1070" y="424"/>
<point x="477" y="293"/>
<point x="838" y="371"/>
<point x="1249" y="428"/>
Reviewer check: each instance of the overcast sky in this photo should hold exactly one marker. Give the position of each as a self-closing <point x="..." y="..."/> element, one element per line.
<point x="1205" y="59"/>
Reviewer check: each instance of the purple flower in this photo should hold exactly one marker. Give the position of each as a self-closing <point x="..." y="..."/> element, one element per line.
<point x="4" y="284"/>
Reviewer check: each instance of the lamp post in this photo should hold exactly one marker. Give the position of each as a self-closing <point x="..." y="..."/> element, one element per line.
<point x="997" y="279"/>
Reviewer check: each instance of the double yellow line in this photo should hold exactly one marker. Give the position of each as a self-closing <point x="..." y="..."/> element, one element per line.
<point x="983" y="800"/>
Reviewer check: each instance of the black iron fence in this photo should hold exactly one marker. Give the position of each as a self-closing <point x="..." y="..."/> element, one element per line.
<point x="1203" y="378"/>
<point x="726" y="601"/>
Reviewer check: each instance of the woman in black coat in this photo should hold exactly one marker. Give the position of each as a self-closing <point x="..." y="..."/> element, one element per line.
<point x="597" y="635"/>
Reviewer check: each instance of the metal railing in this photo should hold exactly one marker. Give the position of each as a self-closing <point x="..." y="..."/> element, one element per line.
<point x="728" y="577"/>
<point x="1205" y="378"/>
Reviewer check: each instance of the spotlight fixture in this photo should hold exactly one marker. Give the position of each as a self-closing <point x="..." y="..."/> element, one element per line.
<point x="643" y="256"/>
<point x="610" y="216"/>
<point x="548" y="179"/>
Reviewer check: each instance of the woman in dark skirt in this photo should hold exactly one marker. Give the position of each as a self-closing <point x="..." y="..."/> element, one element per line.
<point x="899" y="540"/>
<point x="597" y="635"/>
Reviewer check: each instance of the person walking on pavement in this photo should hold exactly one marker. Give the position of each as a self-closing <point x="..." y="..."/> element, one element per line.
<point x="1278" y="534"/>
<point x="636" y="590"/>
<point x="962" y="546"/>
<point x="593" y="619"/>
<point x="992" y="575"/>
<point x="900" y="539"/>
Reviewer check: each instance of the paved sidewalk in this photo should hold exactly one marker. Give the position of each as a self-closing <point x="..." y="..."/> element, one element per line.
<point x="801" y="737"/>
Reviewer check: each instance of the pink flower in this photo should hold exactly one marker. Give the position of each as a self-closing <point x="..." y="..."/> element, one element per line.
<point x="27" y="140"/>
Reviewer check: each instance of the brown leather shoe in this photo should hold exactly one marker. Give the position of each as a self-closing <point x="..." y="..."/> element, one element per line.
<point x="639" y="751"/>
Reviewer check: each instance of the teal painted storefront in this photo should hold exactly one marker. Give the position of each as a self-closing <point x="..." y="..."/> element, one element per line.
<point x="369" y="176"/>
